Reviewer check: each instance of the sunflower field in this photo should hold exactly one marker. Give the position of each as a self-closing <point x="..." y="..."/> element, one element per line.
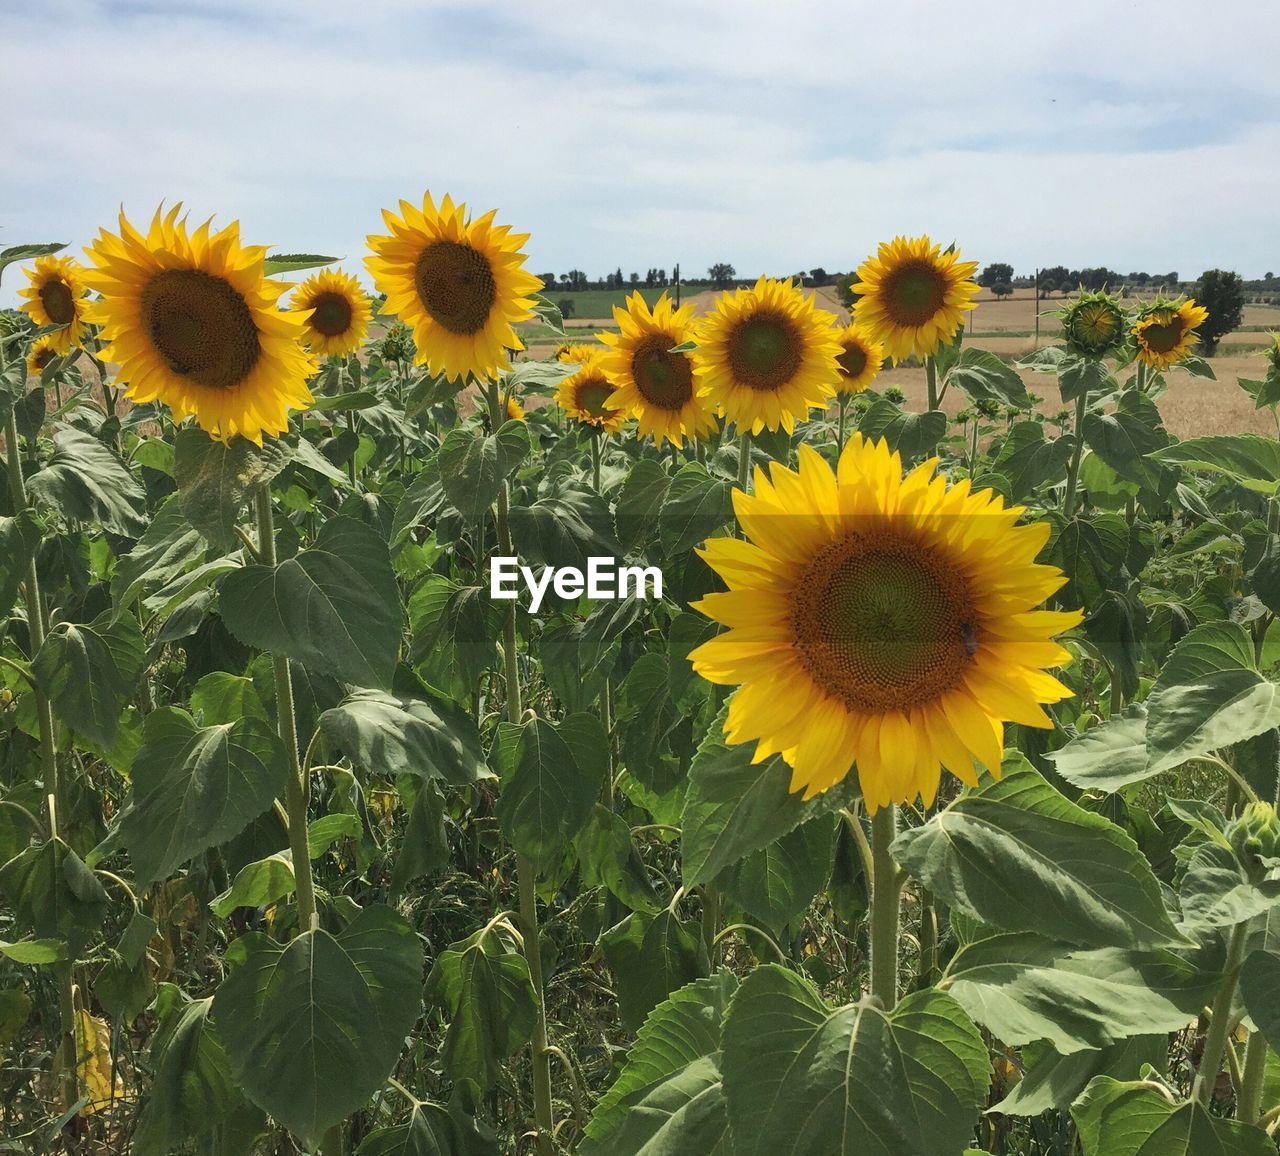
<point x="675" y="745"/>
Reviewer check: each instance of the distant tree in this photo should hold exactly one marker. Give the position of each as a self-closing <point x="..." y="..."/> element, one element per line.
<point x="575" y="279"/>
<point x="547" y="279"/>
<point x="1222" y="293"/>
<point x="819" y="275"/>
<point x="1139" y="278"/>
<point x="721" y="274"/>
<point x="565" y="305"/>
<point x="617" y="278"/>
<point x="1054" y="277"/>
<point x="1002" y="289"/>
<point x="635" y="278"/>
<point x="844" y="289"/>
<point x="662" y="275"/>
<point x="1268" y="277"/>
<point x="994" y="274"/>
<point x="1098" y="278"/>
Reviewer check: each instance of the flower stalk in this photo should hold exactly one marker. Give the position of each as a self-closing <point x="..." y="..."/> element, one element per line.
<point x="886" y="902"/>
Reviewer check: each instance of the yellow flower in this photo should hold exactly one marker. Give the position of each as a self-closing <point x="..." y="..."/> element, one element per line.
<point x="576" y="351"/>
<point x="767" y="356"/>
<point x="1165" y="332"/>
<point x="55" y="296"/>
<point x="883" y="621"/>
<point x="458" y="282"/>
<point x="43" y="350"/>
<point x="861" y="360"/>
<point x="192" y="322"/>
<point x="586" y="394"/>
<point x="337" y="312"/>
<point x="914" y="296"/>
<point x="515" y="411"/>
<point x="655" y="385"/>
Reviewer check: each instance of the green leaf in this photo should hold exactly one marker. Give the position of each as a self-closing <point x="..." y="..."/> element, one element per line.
<point x="29" y="252"/>
<point x="431" y="1130"/>
<point x="682" y="1031"/>
<point x="15" y="1007"/>
<point x="89" y="672"/>
<point x="609" y="858"/>
<point x="1260" y="990"/>
<point x="473" y="466"/>
<point x="395" y="735"/>
<point x="635" y="517"/>
<point x="225" y="698"/>
<point x="1075" y="871"/>
<point x="1029" y="459"/>
<point x="651" y="956"/>
<point x="911" y="434"/>
<point x="54" y="895"/>
<point x="425" y="846"/>
<point x="985" y="377"/>
<point x="1125" y="438"/>
<point x="1108" y="756"/>
<point x="295" y="263"/>
<point x="169" y="548"/>
<point x="485" y="990"/>
<point x="1217" y="892"/>
<point x="85" y="482"/>
<point x="696" y="505"/>
<point x="216" y="479"/>
<point x="548" y="795"/>
<point x="195" y="787"/>
<point x="34" y="950"/>
<point x="565" y="529"/>
<point x="313" y="1028"/>
<point x="1053" y="1081"/>
<point x="800" y="1077"/>
<point x="1137" y="1119"/>
<point x="778" y="882"/>
<point x="257" y="884"/>
<point x="734" y="807"/>
<point x="1192" y="719"/>
<point x="19" y="541"/>
<point x="1249" y="459"/>
<point x="1024" y="987"/>
<point x="334" y="608"/>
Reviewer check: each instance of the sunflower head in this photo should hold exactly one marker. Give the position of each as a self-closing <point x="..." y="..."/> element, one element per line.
<point x="1094" y="324"/>
<point x="589" y="396"/>
<point x="881" y="621"/>
<point x="768" y="355"/>
<point x="912" y="295"/>
<point x="1165" y="331"/>
<point x="515" y="411"/>
<point x="460" y="283"/>
<point x="336" y="312"/>
<point x="576" y="351"/>
<point x="860" y="360"/>
<point x="192" y="322"/>
<point x="654" y="383"/>
<point x="55" y="296"/>
<point x="43" y="350"/>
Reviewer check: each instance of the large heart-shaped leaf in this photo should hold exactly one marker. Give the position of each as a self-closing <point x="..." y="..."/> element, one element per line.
<point x="1250" y="459"/>
<point x="215" y="479"/>
<point x="86" y="482"/>
<point x="651" y="956"/>
<point x="54" y="894"/>
<point x="19" y="540"/>
<point x="474" y="466"/>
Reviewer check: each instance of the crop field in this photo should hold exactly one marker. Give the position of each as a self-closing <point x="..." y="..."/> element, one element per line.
<point x="736" y="729"/>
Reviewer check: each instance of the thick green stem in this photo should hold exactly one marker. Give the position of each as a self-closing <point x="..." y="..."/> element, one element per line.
<point x="886" y="897"/>
<point x="1077" y="452"/>
<point x="597" y="452"/>
<point x="928" y="940"/>
<point x="931" y="381"/>
<point x="710" y="920"/>
<point x="843" y="403"/>
<point x="1215" y="1040"/>
<point x="286" y="718"/>
<point x="744" y="460"/>
<point x="1249" y="1099"/>
<point x="38" y="629"/>
<point x="544" y="1114"/>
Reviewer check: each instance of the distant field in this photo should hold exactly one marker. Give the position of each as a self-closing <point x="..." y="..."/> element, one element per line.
<point x="599" y="303"/>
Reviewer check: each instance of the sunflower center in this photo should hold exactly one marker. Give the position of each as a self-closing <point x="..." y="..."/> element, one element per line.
<point x="332" y="314"/>
<point x="882" y="622"/>
<point x="915" y="292"/>
<point x="853" y="360"/>
<point x="1163" y="337"/>
<point x="592" y="395"/>
<point x="764" y="351"/>
<point x="455" y="283"/>
<point x="664" y="379"/>
<point x="43" y="357"/>
<point x="58" y="302"/>
<point x="201" y="326"/>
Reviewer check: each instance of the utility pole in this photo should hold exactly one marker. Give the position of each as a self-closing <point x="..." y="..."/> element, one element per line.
<point x="1035" y="292"/>
<point x="675" y="277"/>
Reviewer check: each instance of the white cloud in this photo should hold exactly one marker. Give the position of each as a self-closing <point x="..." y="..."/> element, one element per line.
<point x="772" y="135"/>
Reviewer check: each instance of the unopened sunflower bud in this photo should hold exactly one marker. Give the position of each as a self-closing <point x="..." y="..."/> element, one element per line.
<point x="1094" y="324"/>
<point x="1255" y="835"/>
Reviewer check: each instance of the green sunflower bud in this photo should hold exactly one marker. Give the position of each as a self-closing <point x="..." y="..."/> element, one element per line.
<point x="1255" y="836"/>
<point x="1094" y="324"/>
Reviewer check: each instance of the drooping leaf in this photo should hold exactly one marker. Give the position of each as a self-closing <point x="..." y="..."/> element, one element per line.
<point x="86" y="482"/>
<point x="53" y="895"/>
<point x="651" y="956"/>
<point x="911" y="434"/>
<point x="1108" y="756"/>
<point x="1260" y="990"/>
<point x="1053" y="1081"/>
<point x="778" y="882"/>
<point x="695" y="506"/>
<point x="608" y="857"/>
<point x="170" y="547"/>
<point x="473" y="466"/>
<point x="1249" y="459"/>
<point x="215" y="479"/>
<point x="258" y="884"/>
<point x="431" y="1130"/>
<point x="1217" y="892"/>
<point x="985" y="377"/>
<point x="19" y="540"/>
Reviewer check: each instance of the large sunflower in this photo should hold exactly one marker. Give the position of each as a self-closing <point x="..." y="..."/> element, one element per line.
<point x="913" y="296"/>
<point x="767" y="355"/>
<point x="458" y="282"/>
<point x="654" y="384"/>
<point x="1165" y="332"/>
<point x="585" y="395"/>
<point x="861" y="359"/>
<point x="55" y="296"/>
<point x="193" y="323"/>
<point x="337" y="312"/>
<point x="883" y="621"/>
<point x="43" y="350"/>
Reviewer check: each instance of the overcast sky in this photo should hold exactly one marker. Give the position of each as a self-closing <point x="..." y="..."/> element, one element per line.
<point x="774" y="135"/>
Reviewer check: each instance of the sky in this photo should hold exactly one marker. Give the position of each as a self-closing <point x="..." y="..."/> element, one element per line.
<point x="776" y="135"/>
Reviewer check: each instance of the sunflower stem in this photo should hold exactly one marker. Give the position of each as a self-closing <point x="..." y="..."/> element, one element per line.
<point x="598" y="437"/>
<point x="1077" y="452"/>
<point x="744" y="460"/>
<point x="931" y="380"/>
<point x="544" y="1113"/>
<point x="843" y="403"/>
<point x="287" y="725"/>
<point x="1215" y="1040"/>
<point x="37" y="629"/>
<point x="1249" y="1098"/>
<point x="886" y="897"/>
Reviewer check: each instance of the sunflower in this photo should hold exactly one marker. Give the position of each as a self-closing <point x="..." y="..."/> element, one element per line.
<point x="337" y="312"/>
<point x="883" y="621"/>
<point x="55" y="296"/>
<point x="458" y="282"/>
<point x="654" y="384"/>
<point x="193" y="323"/>
<point x="913" y="296"/>
<point x="43" y="350"/>
<point x="861" y="360"/>
<point x="1094" y="324"/>
<point x="515" y="411"/>
<point x="1165" y="331"/>
<point x="576" y="351"/>
<point x="767" y="355"/>
<point x="585" y="396"/>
